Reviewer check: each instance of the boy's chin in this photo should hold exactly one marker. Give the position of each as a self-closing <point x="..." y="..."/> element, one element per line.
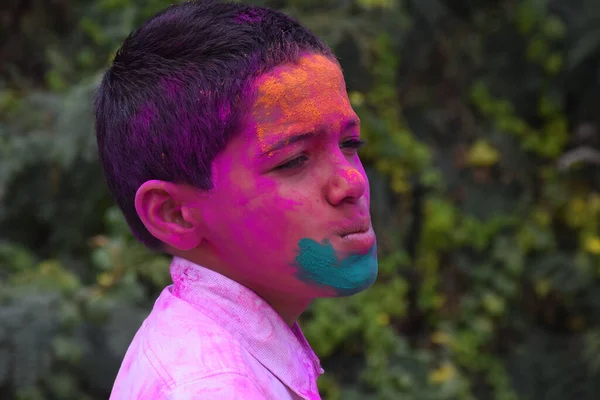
<point x="346" y="290"/>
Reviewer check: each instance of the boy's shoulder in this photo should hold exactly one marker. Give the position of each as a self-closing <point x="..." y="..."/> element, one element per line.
<point x="178" y="345"/>
<point x="183" y="340"/>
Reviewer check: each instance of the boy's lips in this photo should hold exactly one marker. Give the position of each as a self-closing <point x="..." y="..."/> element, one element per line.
<point x="357" y="237"/>
<point x="354" y="227"/>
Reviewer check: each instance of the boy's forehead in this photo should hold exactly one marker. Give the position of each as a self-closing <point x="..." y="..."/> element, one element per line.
<point x="287" y="79"/>
<point x="307" y="93"/>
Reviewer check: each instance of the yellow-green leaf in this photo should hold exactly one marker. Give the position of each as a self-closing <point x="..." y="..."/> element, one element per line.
<point x="482" y="154"/>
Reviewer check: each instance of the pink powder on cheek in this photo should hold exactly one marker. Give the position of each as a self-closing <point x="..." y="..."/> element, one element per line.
<point x="260" y="203"/>
<point x="246" y="183"/>
<point x="265" y="197"/>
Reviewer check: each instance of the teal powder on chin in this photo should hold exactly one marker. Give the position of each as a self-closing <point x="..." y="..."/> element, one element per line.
<point x="317" y="263"/>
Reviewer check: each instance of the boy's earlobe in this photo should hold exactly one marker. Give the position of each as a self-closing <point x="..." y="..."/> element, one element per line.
<point x="163" y="210"/>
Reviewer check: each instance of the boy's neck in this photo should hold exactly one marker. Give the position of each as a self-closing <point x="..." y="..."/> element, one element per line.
<point x="289" y="307"/>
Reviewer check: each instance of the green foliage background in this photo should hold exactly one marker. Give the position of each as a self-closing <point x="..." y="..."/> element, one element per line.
<point x="482" y="120"/>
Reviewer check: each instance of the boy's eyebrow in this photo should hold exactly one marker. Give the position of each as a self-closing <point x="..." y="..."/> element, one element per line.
<point x="299" y="137"/>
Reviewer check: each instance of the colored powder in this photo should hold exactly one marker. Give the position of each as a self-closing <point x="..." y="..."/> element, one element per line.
<point x="353" y="176"/>
<point x="143" y="119"/>
<point x="250" y="16"/>
<point x="171" y="87"/>
<point x="297" y="94"/>
<point x="318" y="263"/>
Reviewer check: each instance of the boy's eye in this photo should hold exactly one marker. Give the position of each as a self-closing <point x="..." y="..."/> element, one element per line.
<point x="355" y="144"/>
<point x="294" y="163"/>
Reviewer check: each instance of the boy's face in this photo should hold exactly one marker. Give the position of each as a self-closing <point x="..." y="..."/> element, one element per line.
<point x="290" y="186"/>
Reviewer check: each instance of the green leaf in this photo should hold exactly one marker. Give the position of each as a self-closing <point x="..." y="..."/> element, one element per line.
<point x="482" y="154"/>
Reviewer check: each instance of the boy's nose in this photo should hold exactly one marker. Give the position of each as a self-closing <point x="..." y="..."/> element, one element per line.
<point x="346" y="184"/>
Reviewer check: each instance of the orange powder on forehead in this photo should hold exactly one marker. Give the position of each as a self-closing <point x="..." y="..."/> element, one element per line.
<point x="304" y="92"/>
<point x="282" y="85"/>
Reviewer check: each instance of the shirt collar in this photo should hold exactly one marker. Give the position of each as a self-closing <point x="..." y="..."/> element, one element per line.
<point x="283" y="351"/>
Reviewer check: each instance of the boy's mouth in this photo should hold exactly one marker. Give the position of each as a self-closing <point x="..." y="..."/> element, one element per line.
<point x="354" y="227"/>
<point x="356" y="237"/>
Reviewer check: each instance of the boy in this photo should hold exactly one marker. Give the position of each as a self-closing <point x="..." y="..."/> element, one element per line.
<point x="228" y="141"/>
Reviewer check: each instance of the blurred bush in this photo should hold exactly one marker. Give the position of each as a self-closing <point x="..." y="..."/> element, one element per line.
<point x="482" y="121"/>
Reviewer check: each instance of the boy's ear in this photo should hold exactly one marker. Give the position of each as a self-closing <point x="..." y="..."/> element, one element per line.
<point x="171" y="213"/>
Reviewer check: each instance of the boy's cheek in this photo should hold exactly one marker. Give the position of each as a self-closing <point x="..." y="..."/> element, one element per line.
<point x="268" y="198"/>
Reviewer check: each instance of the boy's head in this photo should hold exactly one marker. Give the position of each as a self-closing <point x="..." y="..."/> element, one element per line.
<point x="227" y="138"/>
